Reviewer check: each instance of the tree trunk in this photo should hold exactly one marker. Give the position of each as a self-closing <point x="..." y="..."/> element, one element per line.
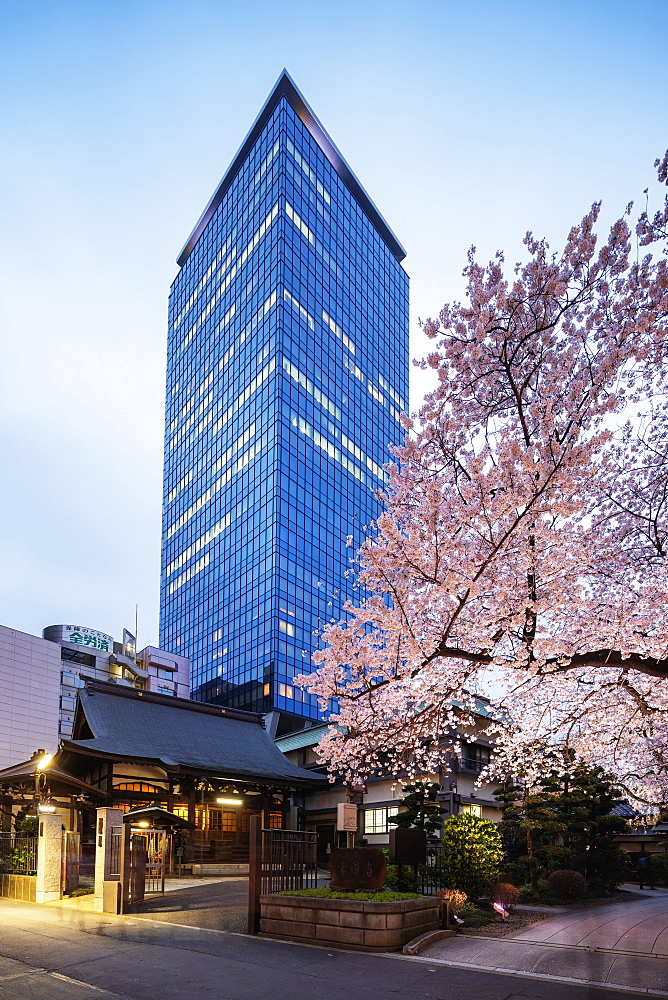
<point x="532" y="865"/>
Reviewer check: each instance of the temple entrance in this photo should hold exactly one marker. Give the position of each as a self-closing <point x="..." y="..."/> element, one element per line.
<point x="72" y="863"/>
<point x="158" y="844"/>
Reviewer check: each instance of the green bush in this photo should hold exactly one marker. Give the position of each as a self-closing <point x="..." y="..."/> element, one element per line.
<point x="324" y="892"/>
<point x="472" y="853"/>
<point x="659" y="867"/>
<point x="608" y="867"/>
<point x="476" y="918"/>
<point x="506" y="894"/>
<point x="82" y="892"/>
<point x="566" y="884"/>
<point x="29" y="825"/>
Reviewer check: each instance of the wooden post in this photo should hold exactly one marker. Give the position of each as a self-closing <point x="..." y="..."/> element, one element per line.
<point x="254" y="874"/>
<point x="125" y="869"/>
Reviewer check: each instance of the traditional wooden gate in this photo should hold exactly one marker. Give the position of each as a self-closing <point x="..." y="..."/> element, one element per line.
<point x="71" y="856"/>
<point x="133" y="869"/>
<point x="144" y="858"/>
<point x="157" y="850"/>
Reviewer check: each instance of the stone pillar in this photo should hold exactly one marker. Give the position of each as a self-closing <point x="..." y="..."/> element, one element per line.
<point x="49" y="858"/>
<point x="106" y="881"/>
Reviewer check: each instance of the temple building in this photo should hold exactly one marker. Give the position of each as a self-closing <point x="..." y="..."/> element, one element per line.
<point x="214" y="767"/>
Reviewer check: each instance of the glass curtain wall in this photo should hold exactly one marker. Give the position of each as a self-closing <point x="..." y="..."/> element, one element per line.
<point x="287" y="373"/>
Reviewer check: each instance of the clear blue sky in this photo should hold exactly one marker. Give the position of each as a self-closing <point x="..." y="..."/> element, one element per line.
<point x="468" y="123"/>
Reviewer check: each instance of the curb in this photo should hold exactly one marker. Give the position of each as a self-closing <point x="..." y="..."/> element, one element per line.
<point x="415" y="946"/>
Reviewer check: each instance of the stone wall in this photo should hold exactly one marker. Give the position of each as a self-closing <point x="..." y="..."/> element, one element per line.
<point x="361" y="926"/>
<point x="18" y="887"/>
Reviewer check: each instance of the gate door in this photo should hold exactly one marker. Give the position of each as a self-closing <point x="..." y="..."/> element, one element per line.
<point x="71" y="861"/>
<point x="133" y="869"/>
<point x="157" y="844"/>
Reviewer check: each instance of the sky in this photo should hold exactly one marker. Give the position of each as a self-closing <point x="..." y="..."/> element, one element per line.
<point x="467" y="123"/>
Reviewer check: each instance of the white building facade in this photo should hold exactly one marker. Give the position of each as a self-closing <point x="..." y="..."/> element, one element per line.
<point x="41" y="675"/>
<point x="30" y="703"/>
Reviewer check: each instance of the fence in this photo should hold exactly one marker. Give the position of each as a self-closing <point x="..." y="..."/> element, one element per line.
<point x="288" y="860"/>
<point x="18" y="854"/>
<point x="279" y="860"/>
<point x="432" y="876"/>
<point x="115" y="852"/>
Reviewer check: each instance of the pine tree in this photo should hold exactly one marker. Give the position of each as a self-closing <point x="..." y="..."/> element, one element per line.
<point x="421" y="810"/>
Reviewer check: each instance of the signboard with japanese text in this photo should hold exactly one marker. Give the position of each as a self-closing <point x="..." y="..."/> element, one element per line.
<point x="81" y="636"/>
<point x="346" y="816"/>
<point x="357" y="868"/>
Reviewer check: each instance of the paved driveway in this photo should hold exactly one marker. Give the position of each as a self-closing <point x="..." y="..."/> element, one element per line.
<point x="624" y="944"/>
<point x="220" y="905"/>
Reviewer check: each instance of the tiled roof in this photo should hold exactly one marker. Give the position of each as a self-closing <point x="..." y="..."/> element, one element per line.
<point x="303" y="738"/>
<point x="131" y="725"/>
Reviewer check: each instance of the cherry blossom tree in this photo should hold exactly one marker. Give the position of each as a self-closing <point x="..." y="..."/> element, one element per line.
<point x="524" y="538"/>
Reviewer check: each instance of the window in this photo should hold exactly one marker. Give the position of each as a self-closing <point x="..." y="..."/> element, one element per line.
<point x="138" y="786"/>
<point x="474" y="757"/>
<point x="70" y="680"/>
<point x="77" y="656"/>
<point x="275" y="821"/>
<point x="375" y="820"/>
<point x="472" y="809"/>
<point x="68" y="704"/>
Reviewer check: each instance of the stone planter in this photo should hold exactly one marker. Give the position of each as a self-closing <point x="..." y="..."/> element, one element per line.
<point x="18" y="887"/>
<point x="361" y="926"/>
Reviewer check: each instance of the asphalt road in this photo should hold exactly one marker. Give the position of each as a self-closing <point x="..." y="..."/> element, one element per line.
<point x="60" y="953"/>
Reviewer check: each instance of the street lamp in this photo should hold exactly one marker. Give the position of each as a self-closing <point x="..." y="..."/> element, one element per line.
<point x="40" y="765"/>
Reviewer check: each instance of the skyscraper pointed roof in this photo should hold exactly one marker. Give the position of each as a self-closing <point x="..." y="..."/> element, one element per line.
<point x="285" y="87"/>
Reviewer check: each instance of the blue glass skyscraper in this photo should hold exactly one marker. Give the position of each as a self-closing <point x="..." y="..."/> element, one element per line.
<point x="287" y="370"/>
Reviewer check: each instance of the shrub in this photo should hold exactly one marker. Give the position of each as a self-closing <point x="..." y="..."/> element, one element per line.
<point x="567" y="883"/>
<point x="608" y="866"/>
<point x="476" y="918"/>
<point x="83" y="891"/>
<point x="455" y="897"/>
<point x="29" y="825"/>
<point x="324" y="892"/>
<point x="659" y="866"/>
<point x="472" y="853"/>
<point x="506" y="894"/>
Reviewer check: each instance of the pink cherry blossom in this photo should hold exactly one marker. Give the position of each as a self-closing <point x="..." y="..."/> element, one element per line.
<point x="524" y="539"/>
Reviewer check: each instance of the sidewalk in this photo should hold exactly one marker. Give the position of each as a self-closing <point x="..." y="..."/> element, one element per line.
<point x="65" y="953"/>
<point x="623" y="945"/>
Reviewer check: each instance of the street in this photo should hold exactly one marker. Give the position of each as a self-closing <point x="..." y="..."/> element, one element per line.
<point x="64" y="953"/>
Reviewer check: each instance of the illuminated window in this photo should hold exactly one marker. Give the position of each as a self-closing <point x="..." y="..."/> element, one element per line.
<point x="229" y="821"/>
<point x="474" y="810"/>
<point x="138" y="786"/>
<point x="306" y="383"/>
<point x="275" y="821"/>
<point x="375" y="820"/>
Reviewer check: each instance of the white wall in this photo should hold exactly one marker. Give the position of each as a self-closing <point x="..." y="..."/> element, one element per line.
<point x="29" y="695"/>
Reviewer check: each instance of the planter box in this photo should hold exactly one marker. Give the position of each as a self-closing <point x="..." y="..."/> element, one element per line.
<point x="19" y="887"/>
<point x="361" y="926"/>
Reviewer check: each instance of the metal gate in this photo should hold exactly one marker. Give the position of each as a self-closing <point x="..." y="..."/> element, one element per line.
<point x="133" y="869"/>
<point x="71" y="856"/>
<point x="279" y="859"/>
<point x="144" y="858"/>
<point x="157" y="849"/>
